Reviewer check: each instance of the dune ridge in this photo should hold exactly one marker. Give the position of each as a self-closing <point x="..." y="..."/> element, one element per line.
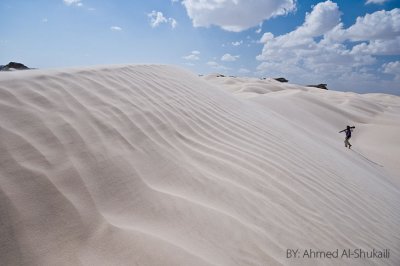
<point x="152" y="165"/>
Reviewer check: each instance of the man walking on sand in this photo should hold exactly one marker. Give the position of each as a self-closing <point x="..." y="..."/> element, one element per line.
<point x="348" y="135"/>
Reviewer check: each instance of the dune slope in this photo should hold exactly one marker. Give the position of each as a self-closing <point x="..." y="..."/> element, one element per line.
<point x="152" y="165"/>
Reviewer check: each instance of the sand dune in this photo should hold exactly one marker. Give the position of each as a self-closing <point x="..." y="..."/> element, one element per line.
<point x="152" y="165"/>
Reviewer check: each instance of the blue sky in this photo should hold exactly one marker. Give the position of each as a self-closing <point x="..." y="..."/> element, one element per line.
<point x="351" y="45"/>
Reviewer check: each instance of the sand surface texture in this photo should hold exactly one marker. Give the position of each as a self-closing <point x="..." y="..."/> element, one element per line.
<point x="153" y="165"/>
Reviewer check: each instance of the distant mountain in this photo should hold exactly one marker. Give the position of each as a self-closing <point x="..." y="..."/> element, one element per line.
<point x="281" y="79"/>
<point x="13" y="66"/>
<point x="320" y="86"/>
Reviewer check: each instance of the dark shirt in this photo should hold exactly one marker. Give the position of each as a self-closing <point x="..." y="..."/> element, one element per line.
<point x="348" y="133"/>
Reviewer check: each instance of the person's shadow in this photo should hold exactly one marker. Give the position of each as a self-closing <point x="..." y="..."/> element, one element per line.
<point x="367" y="158"/>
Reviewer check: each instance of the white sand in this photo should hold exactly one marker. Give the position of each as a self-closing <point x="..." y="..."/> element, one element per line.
<point x="152" y="165"/>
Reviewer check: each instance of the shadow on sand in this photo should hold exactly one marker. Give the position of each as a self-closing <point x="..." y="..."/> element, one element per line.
<point x="366" y="158"/>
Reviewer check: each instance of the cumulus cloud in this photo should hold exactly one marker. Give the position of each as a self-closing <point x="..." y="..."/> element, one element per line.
<point x="378" y="47"/>
<point x="115" y="28"/>
<point x="376" y="1"/>
<point x="379" y="25"/>
<point x="237" y="43"/>
<point x="173" y="22"/>
<point x="235" y="15"/>
<point x="244" y="71"/>
<point x="212" y="63"/>
<point x="229" y="57"/>
<point x="323" y="18"/>
<point x="266" y="37"/>
<point x="157" y="18"/>
<point x="392" y="68"/>
<point x="379" y="33"/>
<point x="218" y="66"/>
<point x="73" y="2"/>
<point x="193" y="56"/>
<point x="322" y="50"/>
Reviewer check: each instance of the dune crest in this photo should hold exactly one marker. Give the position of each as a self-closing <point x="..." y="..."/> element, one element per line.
<point x="152" y="165"/>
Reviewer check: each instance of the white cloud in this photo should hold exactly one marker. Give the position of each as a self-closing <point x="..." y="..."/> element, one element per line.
<point x="173" y="22"/>
<point x="212" y="63"/>
<point x="237" y="43"/>
<point x="266" y="37"/>
<point x="244" y="71"/>
<point x="193" y="56"/>
<point x="73" y="2"/>
<point x="379" y="33"/>
<point x="229" y="57"/>
<point x="392" y="68"/>
<point x="157" y="18"/>
<point x="324" y="17"/>
<point x="216" y="65"/>
<point x="376" y="1"/>
<point x="115" y="28"/>
<point x="378" y="47"/>
<point x="320" y="50"/>
<point x="379" y="25"/>
<point x="235" y="15"/>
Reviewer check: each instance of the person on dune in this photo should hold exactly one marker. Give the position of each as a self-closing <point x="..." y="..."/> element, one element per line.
<point x="348" y="135"/>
